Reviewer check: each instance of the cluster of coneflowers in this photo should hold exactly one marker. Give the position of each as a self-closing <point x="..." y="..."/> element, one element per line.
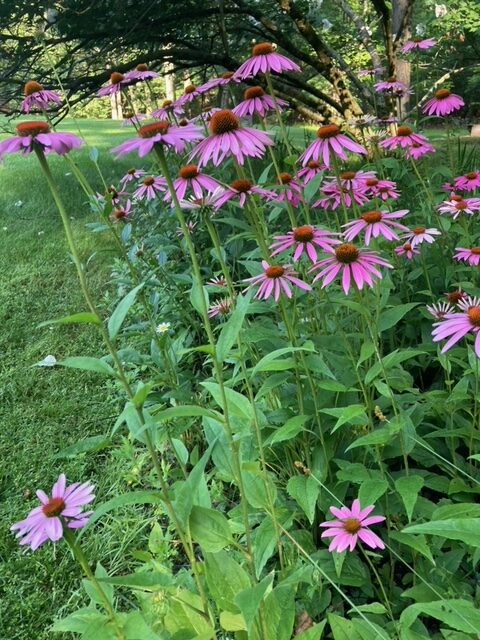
<point x="219" y="134"/>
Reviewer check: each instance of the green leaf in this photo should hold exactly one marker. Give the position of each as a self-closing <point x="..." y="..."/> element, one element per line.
<point x="255" y="486"/>
<point x="374" y="607"/>
<point x="232" y="327"/>
<point x="290" y="429"/>
<point x="342" y="629"/>
<point x="267" y="362"/>
<point x="305" y="490"/>
<point x="87" y="445"/>
<point x="225" y="579"/>
<point x="314" y="633"/>
<point x="196" y="298"/>
<point x="279" y="612"/>
<point x="135" y="628"/>
<point x="210" y="529"/>
<point x="76" y="318"/>
<point x="408" y="487"/>
<point x="353" y="414"/>
<point x="366" y="351"/>
<point x="371" y="490"/>
<point x="88" y="364"/>
<point x="264" y="544"/>
<point x="390" y="317"/>
<point x="238" y="404"/>
<point x="186" y="619"/>
<point x="136" y="497"/>
<point x="186" y="411"/>
<point x="85" y="621"/>
<point x="465" y="529"/>
<point x="181" y="450"/>
<point x="382" y="435"/>
<point x="118" y="316"/>
<point x="463" y="510"/>
<point x="248" y="600"/>
<point x="460" y="615"/>
<point x="143" y="580"/>
<point x="232" y="621"/>
<point x="418" y="543"/>
<point x="391" y="360"/>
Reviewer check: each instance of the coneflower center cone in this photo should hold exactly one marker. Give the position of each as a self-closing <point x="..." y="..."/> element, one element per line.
<point x="116" y="77"/>
<point x="152" y="129"/>
<point x="241" y="185"/>
<point x="223" y="121"/>
<point x="227" y="75"/>
<point x="253" y="92"/>
<point x="285" y="178"/>
<point x="189" y="88"/>
<point x="274" y="272"/>
<point x="418" y="230"/>
<point x="352" y="525"/>
<point x="404" y="131"/>
<point x="32" y="128"/>
<point x="474" y="316"/>
<point x="54" y="507"/>
<point x="141" y="67"/>
<point x="441" y="94"/>
<point x="348" y="175"/>
<point x="148" y="181"/>
<point x="327" y="131"/>
<point x="475" y="251"/>
<point x="188" y="172"/>
<point x="372" y="216"/>
<point x="262" y="49"/>
<point x="471" y="175"/>
<point x="303" y="234"/>
<point x="347" y="253"/>
<point x="32" y="87"/>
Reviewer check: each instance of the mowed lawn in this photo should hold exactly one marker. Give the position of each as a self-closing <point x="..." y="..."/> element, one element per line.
<point x="44" y="410"/>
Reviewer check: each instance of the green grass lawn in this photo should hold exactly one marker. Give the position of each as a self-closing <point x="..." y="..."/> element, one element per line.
<point x="43" y="410"/>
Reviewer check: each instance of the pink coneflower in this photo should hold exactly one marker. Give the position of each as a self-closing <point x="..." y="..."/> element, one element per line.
<point x="351" y="527"/>
<point x="133" y="119"/>
<point x="421" y="234"/>
<point x="140" y="73"/>
<point x="351" y="262"/>
<point x="276" y="279"/>
<point x="190" y="228"/>
<point x="190" y="93"/>
<point x="334" y="195"/>
<point x="117" y="82"/>
<point x="291" y="189"/>
<point x="63" y="509"/>
<point x="220" y="308"/>
<point x="310" y="170"/>
<point x="455" y="326"/>
<point x="189" y="177"/>
<point x="468" y="182"/>
<point x="418" y="43"/>
<point x="228" y="138"/>
<point x="38" y="133"/>
<point x="209" y="200"/>
<point x="217" y="281"/>
<point x="257" y="102"/>
<point x="226" y="78"/>
<point x="264" y="60"/>
<point x="456" y="205"/>
<point x="37" y="96"/>
<point x="440" y="309"/>
<point x="383" y="189"/>
<point x="443" y="103"/>
<point x="112" y="194"/>
<point x="168" y="110"/>
<point x="206" y="115"/>
<point x="150" y="187"/>
<point x="407" y="250"/>
<point x="120" y="213"/>
<point x="363" y="73"/>
<point x="305" y="239"/>
<point x="161" y="132"/>
<point x="365" y="120"/>
<point x="455" y="297"/>
<point x="471" y="256"/>
<point x="241" y="189"/>
<point x="393" y="86"/>
<point x="404" y="138"/>
<point x="375" y="223"/>
<point x="329" y="139"/>
<point x="132" y="174"/>
<point x="416" y="151"/>
<point x="351" y="180"/>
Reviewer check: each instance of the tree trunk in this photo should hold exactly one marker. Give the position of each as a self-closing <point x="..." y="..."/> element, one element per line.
<point x="116" y="106"/>
<point x="401" y="25"/>
<point x="169" y="81"/>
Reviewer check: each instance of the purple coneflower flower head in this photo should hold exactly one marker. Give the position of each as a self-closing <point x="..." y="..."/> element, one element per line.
<point x="421" y="234"/>
<point x="132" y="174"/>
<point x="37" y="96"/>
<point x="351" y="527"/>
<point x="133" y="119"/>
<point x="190" y="228"/>
<point x="305" y="239"/>
<point x="150" y="187"/>
<point x="407" y="251"/>
<point x="167" y="111"/>
<point x="114" y="196"/>
<point x="208" y="200"/>
<point x="310" y="170"/>
<point x="393" y="86"/>
<point x="350" y="262"/>
<point x="63" y="509"/>
<point x="366" y="120"/>
<point x="206" y="115"/>
<point x="38" y="133"/>
<point x="375" y="223"/>
<point x="455" y="326"/>
<point x="120" y="213"/>
<point x="228" y="138"/>
<point x="275" y="280"/>
<point x="189" y="177"/>
<point x="330" y="140"/>
<point x="455" y="297"/>
<point x="468" y="182"/>
<point x="291" y="189"/>
<point x="440" y="309"/>
<point x="217" y="281"/>
<point x="117" y="82"/>
<point x="257" y="102"/>
<point x="470" y="256"/>
<point x="241" y="189"/>
<point x="383" y="189"/>
<point x="457" y="205"/>
<point x="264" y="60"/>
<point x="418" y="43"/>
<point x="404" y="138"/>
<point x="373" y="71"/>
<point x="141" y="73"/>
<point x="443" y="103"/>
<point x="190" y="93"/>
<point x="161" y="132"/>
<point x="416" y="151"/>
<point x="351" y="180"/>
<point x="334" y="194"/>
<point x="220" y="308"/>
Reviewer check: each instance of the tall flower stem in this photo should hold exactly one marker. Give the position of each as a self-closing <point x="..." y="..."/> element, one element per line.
<point x="380" y="583"/>
<point x="80" y="557"/>
<point x="186" y="542"/>
<point x="234" y="446"/>
<point x="278" y="113"/>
